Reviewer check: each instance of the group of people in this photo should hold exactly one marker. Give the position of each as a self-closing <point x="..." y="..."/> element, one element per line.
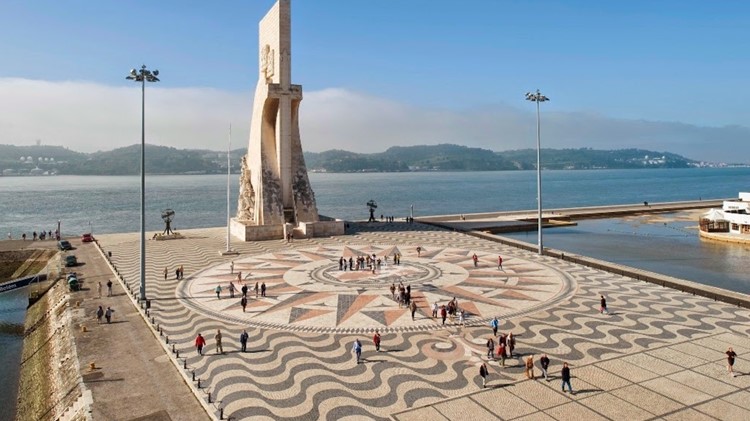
<point x="179" y="273"/>
<point x="259" y="288"/>
<point x="107" y="314"/>
<point x="450" y="310"/>
<point x="42" y="235"/>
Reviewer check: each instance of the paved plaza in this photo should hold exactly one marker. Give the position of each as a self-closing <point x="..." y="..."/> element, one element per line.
<point x="658" y="355"/>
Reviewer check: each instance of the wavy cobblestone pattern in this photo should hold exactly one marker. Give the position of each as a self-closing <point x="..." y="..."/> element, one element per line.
<point x="307" y="375"/>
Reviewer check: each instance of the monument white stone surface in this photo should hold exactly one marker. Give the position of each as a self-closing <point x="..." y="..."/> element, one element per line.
<point x="275" y="193"/>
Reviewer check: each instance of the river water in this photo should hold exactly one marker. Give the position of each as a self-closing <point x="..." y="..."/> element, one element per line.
<point x="112" y="204"/>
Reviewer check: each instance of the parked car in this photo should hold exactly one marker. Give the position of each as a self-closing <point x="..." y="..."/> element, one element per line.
<point x="64" y="245"/>
<point x="87" y="238"/>
<point x="70" y="261"/>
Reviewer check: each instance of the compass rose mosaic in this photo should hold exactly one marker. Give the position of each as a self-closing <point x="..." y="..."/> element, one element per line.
<point x="315" y="289"/>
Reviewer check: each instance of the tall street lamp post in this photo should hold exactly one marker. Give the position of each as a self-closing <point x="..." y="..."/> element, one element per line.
<point x="142" y="76"/>
<point x="538" y="97"/>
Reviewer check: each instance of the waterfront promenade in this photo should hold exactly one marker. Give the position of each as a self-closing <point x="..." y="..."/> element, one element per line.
<point x="659" y="354"/>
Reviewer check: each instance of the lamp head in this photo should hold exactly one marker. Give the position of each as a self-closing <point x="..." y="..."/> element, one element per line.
<point x="156" y="73"/>
<point x="133" y="73"/>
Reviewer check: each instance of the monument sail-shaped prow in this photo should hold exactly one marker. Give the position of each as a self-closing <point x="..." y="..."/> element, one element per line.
<point x="275" y="190"/>
<point x="274" y="163"/>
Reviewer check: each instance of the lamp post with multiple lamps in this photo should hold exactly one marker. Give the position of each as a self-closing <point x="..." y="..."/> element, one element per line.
<point x="142" y="76"/>
<point x="538" y="97"/>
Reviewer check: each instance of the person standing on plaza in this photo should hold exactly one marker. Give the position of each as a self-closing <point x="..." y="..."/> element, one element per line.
<point x="243" y="341"/>
<point x="99" y="289"/>
<point x="166" y="271"/>
<point x="500" y="262"/>
<point x="263" y="289"/>
<point x="182" y="272"/>
<point x="177" y="273"/>
<point x="731" y="356"/>
<point x="108" y="315"/>
<point x="217" y="338"/>
<point x="244" y="290"/>
<point x="217" y="290"/>
<point x="490" y="347"/>
<point x="495" y="324"/>
<point x="443" y="313"/>
<point x="475" y="258"/>
<point x="483" y="374"/>
<point x="511" y="342"/>
<point x="376" y="340"/>
<point x="243" y="303"/>
<point x="99" y="314"/>
<point x="501" y="352"/>
<point x="565" y="374"/>
<point x="231" y="267"/>
<point x="109" y="287"/>
<point x="231" y="290"/>
<point x="357" y="349"/>
<point x="461" y="317"/>
<point x="603" y="305"/>
<point x="435" y="309"/>
<point x="200" y="342"/>
<point x="544" y="362"/>
<point x="256" y="289"/>
<point x="393" y="291"/>
<point x="529" y="369"/>
<point x="413" y="309"/>
<point x="419" y="251"/>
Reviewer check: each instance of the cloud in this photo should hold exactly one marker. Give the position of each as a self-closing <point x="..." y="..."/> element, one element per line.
<point x="88" y="117"/>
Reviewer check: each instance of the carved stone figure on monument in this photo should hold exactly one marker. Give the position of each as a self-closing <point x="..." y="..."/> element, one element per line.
<point x="246" y="203"/>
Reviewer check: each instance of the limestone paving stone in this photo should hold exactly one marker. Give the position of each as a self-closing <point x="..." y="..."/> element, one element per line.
<point x="650" y="363"/>
<point x="536" y="416"/>
<point x="538" y="395"/>
<point x="676" y="391"/>
<point x="600" y="378"/>
<point x="689" y="415"/>
<point x="647" y="399"/>
<point x="463" y="408"/>
<point x="615" y="408"/>
<point x="422" y="414"/>
<point x="504" y="404"/>
<point x="672" y="355"/>
<point x="627" y="370"/>
<point x="703" y="383"/>
<point x="740" y="398"/>
<point x="726" y="410"/>
<point x="695" y="350"/>
<point x="573" y="411"/>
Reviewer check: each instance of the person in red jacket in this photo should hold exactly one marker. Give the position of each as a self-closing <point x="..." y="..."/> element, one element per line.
<point x="200" y="342"/>
<point x="376" y="340"/>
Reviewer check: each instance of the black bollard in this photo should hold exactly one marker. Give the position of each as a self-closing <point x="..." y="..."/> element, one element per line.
<point x="221" y="413"/>
<point x="174" y="349"/>
<point x="167" y="339"/>
<point x="184" y="363"/>
<point x="193" y="373"/>
<point x="209" y="397"/>
<point x="177" y="354"/>
<point x="199" y="383"/>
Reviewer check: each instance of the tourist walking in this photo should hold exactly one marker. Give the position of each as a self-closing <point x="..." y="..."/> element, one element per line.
<point x="243" y="303"/>
<point x="500" y="262"/>
<point x="511" y="343"/>
<point x="419" y="251"/>
<point x="182" y="272"/>
<point x="200" y="342"/>
<point x="475" y="258"/>
<point x="603" y="305"/>
<point x="243" y="341"/>
<point x="393" y="291"/>
<point x="544" y="362"/>
<point x="231" y="267"/>
<point x="483" y="374"/>
<point x="256" y="289"/>
<point x="99" y="289"/>
<point x="263" y="289"/>
<point x="529" y="368"/>
<point x="244" y="290"/>
<point x="99" y="314"/>
<point x="108" y="315"/>
<point x="731" y="355"/>
<point x="501" y="352"/>
<point x="109" y="287"/>
<point x="217" y="338"/>
<point x="413" y="309"/>
<point x="231" y="290"/>
<point x="177" y="273"/>
<point x="376" y="340"/>
<point x="217" y="290"/>
<point x="435" y="308"/>
<point x="461" y="317"/>
<point x="357" y="349"/>
<point x="166" y="271"/>
<point x="565" y="374"/>
<point x="490" y="347"/>
<point x="443" y="313"/>
<point x="495" y="324"/>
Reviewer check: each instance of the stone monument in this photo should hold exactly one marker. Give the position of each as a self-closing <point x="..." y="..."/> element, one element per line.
<point x="276" y="198"/>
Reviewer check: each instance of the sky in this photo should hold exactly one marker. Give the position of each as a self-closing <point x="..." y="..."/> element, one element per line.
<point x="661" y="75"/>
